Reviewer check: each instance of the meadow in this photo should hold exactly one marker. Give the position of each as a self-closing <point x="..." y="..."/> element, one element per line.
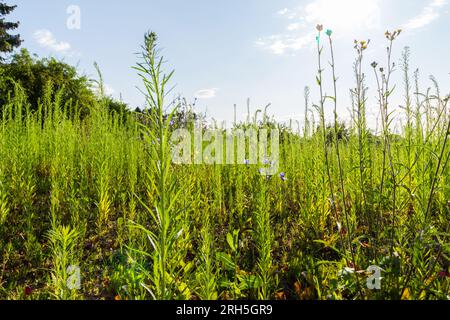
<point x="351" y="214"/>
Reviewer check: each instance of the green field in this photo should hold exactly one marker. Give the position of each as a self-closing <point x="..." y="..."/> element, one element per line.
<point x="100" y="196"/>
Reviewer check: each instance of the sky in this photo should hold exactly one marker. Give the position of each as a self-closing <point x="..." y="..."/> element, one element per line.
<point x="224" y="52"/>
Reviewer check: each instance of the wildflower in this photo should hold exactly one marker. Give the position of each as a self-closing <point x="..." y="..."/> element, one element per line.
<point x="28" y="291"/>
<point x="283" y="176"/>
<point x="364" y="44"/>
<point x="247" y="162"/>
<point x="392" y="35"/>
<point x="319" y="27"/>
<point x="261" y="171"/>
<point x="117" y="298"/>
<point x="329" y="32"/>
<point x="374" y="64"/>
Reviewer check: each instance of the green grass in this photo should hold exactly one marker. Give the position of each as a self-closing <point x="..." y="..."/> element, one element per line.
<point x="103" y="194"/>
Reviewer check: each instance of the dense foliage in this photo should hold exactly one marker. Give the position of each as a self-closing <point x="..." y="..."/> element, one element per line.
<point x="46" y="75"/>
<point x="101" y="193"/>
<point x="7" y="41"/>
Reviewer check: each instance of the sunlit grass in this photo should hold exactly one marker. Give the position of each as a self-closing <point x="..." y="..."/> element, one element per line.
<point x="103" y="194"/>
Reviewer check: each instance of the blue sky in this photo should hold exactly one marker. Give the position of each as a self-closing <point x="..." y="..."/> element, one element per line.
<point x="227" y="51"/>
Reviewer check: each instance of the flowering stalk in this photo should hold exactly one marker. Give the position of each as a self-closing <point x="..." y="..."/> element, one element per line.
<point x="384" y="92"/>
<point x="338" y="154"/>
<point x="321" y="111"/>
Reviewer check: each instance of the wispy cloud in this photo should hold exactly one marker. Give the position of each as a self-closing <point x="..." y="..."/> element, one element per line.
<point x="288" y="13"/>
<point x="284" y="11"/>
<point x="343" y="16"/>
<point x="281" y="44"/>
<point x="427" y="16"/>
<point x="206" y="93"/>
<point x="46" y="39"/>
<point x="295" y="26"/>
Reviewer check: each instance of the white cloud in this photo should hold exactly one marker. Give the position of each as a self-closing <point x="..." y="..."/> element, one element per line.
<point x="206" y="93"/>
<point x="282" y="12"/>
<point x="281" y="44"/>
<point x="438" y="3"/>
<point x="428" y="15"/>
<point x="344" y="17"/>
<point x="46" y="39"/>
<point x="295" y="26"/>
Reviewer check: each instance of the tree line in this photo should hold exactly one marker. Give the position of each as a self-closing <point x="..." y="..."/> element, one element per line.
<point x="35" y="75"/>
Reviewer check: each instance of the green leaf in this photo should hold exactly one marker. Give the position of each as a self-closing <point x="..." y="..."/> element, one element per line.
<point x="249" y="281"/>
<point x="230" y="241"/>
<point x="226" y="260"/>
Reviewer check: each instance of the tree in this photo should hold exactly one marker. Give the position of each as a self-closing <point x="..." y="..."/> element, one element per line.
<point x="7" y="41"/>
<point x="115" y="106"/>
<point x="35" y="75"/>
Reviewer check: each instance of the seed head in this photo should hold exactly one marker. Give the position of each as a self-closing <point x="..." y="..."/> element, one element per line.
<point x="392" y="35"/>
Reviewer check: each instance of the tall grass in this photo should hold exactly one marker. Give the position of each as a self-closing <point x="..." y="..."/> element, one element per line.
<point x="102" y="194"/>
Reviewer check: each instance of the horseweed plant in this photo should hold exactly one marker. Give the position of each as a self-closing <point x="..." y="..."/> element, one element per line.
<point x="167" y="258"/>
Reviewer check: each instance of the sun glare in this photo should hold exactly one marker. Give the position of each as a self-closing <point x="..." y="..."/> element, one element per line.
<point x="344" y="14"/>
